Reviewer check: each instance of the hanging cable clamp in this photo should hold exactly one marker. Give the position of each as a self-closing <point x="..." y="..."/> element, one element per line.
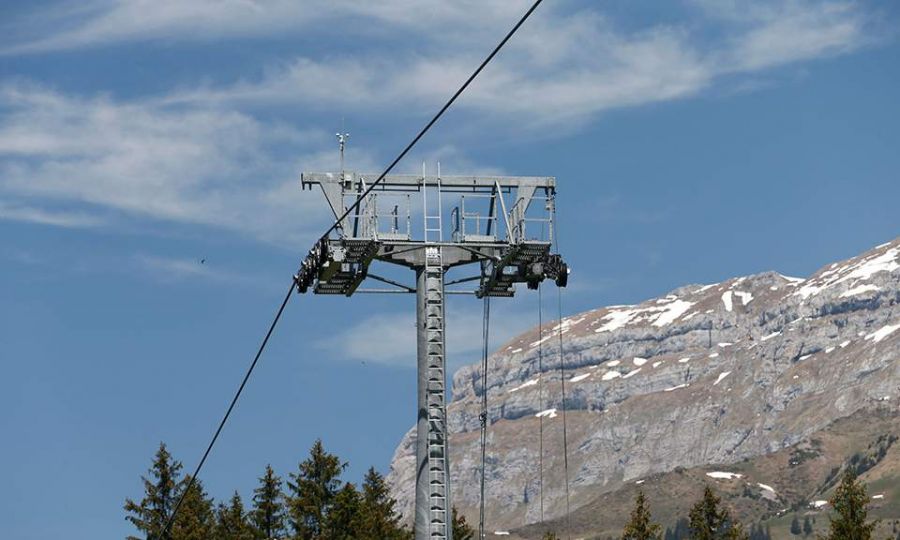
<point x="313" y="265"/>
<point x="552" y="266"/>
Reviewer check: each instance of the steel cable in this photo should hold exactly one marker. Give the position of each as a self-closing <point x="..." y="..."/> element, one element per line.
<point x="562" y="371"/>
<point x="541" y="400"/>
<point x="334" y="226"/>
<point x="486" y="325"/>
<point x="234" y="401"/>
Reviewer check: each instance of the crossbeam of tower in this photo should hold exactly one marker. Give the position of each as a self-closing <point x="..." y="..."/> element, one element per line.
<point x="502" y="224"/>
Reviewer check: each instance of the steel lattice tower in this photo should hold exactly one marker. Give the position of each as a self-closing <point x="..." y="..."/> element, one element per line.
<point x="494" y="223"/>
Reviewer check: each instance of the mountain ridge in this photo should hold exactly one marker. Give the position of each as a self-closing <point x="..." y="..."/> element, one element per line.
<point x="705" y="374"/>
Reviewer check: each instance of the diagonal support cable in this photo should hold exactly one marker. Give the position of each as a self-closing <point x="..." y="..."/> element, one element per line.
<point x="234" y="401"/>
<point x="434" y="120"/>
<point x="296" y="282"/>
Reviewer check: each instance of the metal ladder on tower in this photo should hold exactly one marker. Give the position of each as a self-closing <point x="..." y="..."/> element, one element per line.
<point x="438" y="485"/>
<point x="433" y="222"/>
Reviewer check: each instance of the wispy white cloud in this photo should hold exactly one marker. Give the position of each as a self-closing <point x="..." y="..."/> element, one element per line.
<point x="102" y="22"/>
<point x="390" y="338"/>
<point x="567" y="67"/>
<point x="190" y="164"/>
<point x="769" y="34"/>
<point x="42" y="216"/>
<point x="200" y="156"/>
<point x="167" y="269"/>
<point x="563" y="68"/>
<point x="194" y="164"/>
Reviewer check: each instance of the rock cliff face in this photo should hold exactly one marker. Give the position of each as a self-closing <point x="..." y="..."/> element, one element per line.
<point x="709" y="374"/>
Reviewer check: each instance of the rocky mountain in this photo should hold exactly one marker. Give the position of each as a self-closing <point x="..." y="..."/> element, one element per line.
<point x="714" y="375"/>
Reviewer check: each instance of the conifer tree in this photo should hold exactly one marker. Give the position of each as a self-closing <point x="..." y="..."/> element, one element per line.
<point x="461" y="529"/>
<point x="312" y="492"/>
<point x="807" y="526"/>
<point x="232" y="522"/>
<point x="710" y="522"/>
<point x="796" y="530"/>
<point x="681" y="531"/>
<point x="849" y="504"/>
<point x="377" y="517"/>
<point x="640" y="527"/>
<point x="267" y="515"/>
<point x="196" y="518"/>
<point x="160" y="495"/>
<point x="757" y="532"/>
<point x="342" y="517"/>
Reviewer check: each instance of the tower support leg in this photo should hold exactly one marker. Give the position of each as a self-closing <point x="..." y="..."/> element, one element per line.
<point x="432" y="517"/>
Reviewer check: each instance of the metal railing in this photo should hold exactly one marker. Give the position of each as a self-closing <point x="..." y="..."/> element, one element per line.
<point x="471" y="225"/>
<point x="519" y="219"/>
<point x="477" y="219"/>
<point x="395" y="224"/>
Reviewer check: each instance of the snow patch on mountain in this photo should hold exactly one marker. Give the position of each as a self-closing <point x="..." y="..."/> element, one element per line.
<point x="855" y="271"/>
<point x="727" y="300"/>
<point x="664" y="313"/>
<point x="882" y="332"/>
<point x="859" y="289"/>
<point x="610" y="375"/>
<point x="721" y="475"/>
<point x="524" y="385"/>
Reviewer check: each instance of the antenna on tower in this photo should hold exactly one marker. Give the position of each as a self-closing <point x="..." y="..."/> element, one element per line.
<point x="342" y="141"/>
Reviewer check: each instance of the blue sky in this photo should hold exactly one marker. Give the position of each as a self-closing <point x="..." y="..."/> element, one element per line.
<point x="692" y="142"/>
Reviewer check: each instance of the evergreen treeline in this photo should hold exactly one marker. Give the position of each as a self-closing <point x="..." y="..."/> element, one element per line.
<point x="313" y="504"/>
<point x="709" y="520"/>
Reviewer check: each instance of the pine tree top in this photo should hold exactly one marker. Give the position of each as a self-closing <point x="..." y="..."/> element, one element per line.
<point x="849" y="519"/>
<point x="640" y="525"/>
<point x="161" y="491"/>
<point x="710" y="521"/>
